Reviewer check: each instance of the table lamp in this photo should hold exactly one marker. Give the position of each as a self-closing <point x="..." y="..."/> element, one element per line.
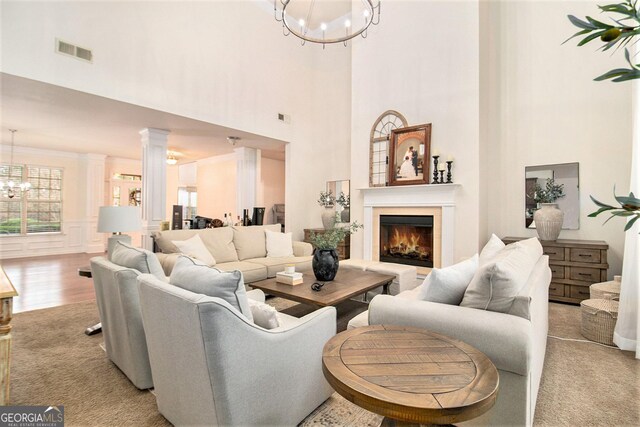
<point x="116" y="220"/>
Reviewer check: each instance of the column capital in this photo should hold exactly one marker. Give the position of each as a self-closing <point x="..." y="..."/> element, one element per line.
<point x="153" y="132"/>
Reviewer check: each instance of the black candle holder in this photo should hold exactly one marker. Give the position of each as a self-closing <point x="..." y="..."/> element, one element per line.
<point x="435" y="170"/>
<point x="442" y="176"/>
<point x="449" y="162"/>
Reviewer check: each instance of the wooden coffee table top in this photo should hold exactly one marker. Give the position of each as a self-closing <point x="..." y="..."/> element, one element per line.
<point x="348" y="283"/>
<point x="410" y="374"/>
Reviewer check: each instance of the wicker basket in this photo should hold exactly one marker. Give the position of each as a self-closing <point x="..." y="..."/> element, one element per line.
<point x="599" y="318"/>
<point x="606" y="290"/>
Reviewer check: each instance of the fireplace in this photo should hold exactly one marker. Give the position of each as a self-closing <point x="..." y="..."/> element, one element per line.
<point x="407" y="239"/>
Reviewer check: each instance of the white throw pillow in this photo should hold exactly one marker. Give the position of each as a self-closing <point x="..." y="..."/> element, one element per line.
<point x="263" y="314"/>
<point x="447" y="285"/>
<point x="278" y="244"/>
<point x="195" y="248"/>
<point x="189" y="274"/>
<point x="490" y="250"/>
<point x="496" y="284"/>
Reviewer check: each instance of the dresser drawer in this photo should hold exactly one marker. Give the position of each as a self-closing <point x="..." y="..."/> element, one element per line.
<point x="578" y="292"/>
<point x="585" y="255"/>
<point x="554" y="252"/>
<point x="557" y="289"/>
<point x="585" y="274"/>
<point x="557" y="271"/>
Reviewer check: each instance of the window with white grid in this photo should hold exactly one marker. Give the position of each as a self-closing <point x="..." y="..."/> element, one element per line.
<point x="38" y="210"/>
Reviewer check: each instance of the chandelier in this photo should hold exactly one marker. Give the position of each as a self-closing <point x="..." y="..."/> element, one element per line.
<point x="324" y="21"/>
<point x="10" y="187"/>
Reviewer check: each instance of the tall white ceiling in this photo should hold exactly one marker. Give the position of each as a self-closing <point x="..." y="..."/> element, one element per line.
<point x="56" y="118"/>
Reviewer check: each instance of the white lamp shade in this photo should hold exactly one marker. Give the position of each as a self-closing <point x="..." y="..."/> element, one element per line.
<point x="117" y="219"/>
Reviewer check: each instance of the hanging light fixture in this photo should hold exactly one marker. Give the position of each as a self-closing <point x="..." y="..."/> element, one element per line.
<point x="10" y="187"/>
<point x="326" y="22"/>
<point x="171" y="158"/>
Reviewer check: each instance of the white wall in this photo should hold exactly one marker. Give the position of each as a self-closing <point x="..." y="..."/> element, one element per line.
<point x="223" y="62"/>
<point x="271" y="186"/>
<point x="217" y="187"/>
<point x="544" y="108"/>
<point x="422" y="61"/>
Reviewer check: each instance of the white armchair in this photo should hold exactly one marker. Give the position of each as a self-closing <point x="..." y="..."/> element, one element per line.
<point x="212" y="366"/>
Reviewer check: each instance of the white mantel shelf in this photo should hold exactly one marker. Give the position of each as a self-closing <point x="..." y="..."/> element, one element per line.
<point x="426" y="195"/>
<point x="411" y="195"/>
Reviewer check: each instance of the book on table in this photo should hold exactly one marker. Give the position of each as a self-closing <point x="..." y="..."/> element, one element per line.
<point x="289" y="278"/>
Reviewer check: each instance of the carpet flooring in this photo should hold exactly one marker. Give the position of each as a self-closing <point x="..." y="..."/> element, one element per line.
<point x="54" y="363"/>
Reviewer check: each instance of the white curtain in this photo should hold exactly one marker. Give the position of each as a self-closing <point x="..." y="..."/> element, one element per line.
<point x="627" y="332"/>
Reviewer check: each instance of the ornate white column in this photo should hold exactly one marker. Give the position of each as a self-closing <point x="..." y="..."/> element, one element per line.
<point x="93" y="168"/>
<point x="154" y="181"/>
<point x="248" y="174"/>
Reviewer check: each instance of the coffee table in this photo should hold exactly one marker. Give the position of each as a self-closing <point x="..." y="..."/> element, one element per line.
<point x="410" y="375"/>
<point x="349" y="282"/>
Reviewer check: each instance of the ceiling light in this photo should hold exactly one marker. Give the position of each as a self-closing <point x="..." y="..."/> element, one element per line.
<point x="362" y="14"/>
<point x="171" y="159"/>
<point x="10" y="187"/>
<point x="233" y="140"/>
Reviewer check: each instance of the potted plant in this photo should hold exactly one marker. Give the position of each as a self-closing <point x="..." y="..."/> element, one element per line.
<point x="345" y="203"/>
<point x="325" y="258"/>
<point x="548" y="218"/>
<point x="629" y="207"/>
<point x="327" y="200"/>
<point x="620" y="32"/>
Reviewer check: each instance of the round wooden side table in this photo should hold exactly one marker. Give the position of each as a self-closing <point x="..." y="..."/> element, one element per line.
<point x="410" y="375"/>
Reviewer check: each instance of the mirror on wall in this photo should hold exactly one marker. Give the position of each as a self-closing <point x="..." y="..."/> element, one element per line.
<point x="538" y="182"/>
<point x="340" y="190"/>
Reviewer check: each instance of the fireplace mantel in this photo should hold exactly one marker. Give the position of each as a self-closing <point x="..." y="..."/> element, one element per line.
<point x="441" y="196"/>
<point x="411" y="195"/>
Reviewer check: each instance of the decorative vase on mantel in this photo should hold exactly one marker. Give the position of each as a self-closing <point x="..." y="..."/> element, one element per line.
<point x="325" y="264"/>
<point x="328" y="218"/>
<point x="548" y="221"/>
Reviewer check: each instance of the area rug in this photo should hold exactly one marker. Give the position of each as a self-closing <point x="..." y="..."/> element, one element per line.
<point x="54" y="363"/>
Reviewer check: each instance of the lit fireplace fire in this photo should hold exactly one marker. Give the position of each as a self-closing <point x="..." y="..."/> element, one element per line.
<point x="407" y="242"/>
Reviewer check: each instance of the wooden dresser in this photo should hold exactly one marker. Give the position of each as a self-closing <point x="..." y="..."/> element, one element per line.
<point x="343" y="249"/>
<point x="575" y="265"/>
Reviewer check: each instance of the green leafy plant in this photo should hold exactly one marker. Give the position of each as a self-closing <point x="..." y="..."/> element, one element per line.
<point x="344" y="201"/>
<point x="550" y="193"/>
<point x="618" y="34"/>
<point x="331" y="237"/>
<point x="327" y="199"/>
<point x="629" y="207"/>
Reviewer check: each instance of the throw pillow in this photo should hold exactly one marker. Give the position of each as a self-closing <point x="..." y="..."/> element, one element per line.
<point x="144" y="261"/>
<point x="496" y="284"/>
<point x="447" y="285"/>
<point x="263" y="314"/>
<point x="278" y="244"/>
<point x="195" y="248"/>
<point x="189" y="274"/>
<point x="491" y="249"/>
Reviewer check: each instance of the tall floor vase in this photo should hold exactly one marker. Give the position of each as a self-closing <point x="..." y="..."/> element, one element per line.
<point x="548" y="221"/>
<point x="328" y="218"/>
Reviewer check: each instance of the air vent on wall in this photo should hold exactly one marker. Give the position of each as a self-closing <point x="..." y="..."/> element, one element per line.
<point x="73" y="50"/>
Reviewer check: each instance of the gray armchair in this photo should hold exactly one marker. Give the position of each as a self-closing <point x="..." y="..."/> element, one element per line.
<point x="119" y="308"/>
<point x="212" y="366"/>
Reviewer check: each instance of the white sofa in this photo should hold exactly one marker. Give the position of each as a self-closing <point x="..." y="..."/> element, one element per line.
<point x="234" y="248"/>
<point x="212" y="366"/>
<point x="515" y="343"/>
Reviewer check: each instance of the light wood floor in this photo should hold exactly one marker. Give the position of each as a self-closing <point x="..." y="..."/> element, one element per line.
<point x="49" y="281"/>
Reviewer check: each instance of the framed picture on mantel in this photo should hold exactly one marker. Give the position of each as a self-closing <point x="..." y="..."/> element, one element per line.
<point x="409" y="154"/>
